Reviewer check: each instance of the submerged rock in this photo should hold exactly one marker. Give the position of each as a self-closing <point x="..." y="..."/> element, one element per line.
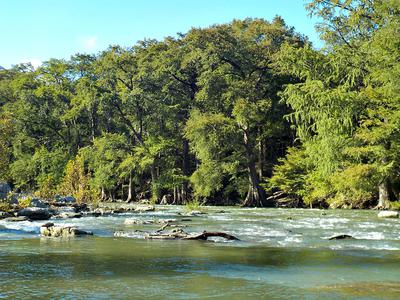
<point x="388" y="214"/>
<point x="50" y="230"/>
<point x="35" y="213"/>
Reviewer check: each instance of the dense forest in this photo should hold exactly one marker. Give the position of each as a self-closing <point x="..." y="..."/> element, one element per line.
<point x="246" y="113"/>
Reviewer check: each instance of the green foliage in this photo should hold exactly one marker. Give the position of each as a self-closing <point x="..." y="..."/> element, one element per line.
<point x="25" y="202"/>
<point x="209" y="114"/>
<point x="6" y="132"/>
<point x="76" y="182"/>
<point x="193" y="205"/>
<point x="354" y="186"/>
<point x="47" y="187"/>
<point x="290" y="174"/>
<point x="346" y="108"/>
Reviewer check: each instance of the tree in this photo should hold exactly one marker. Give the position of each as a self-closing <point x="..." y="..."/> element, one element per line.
<point x="346" y="108"/>
<point x="239" y="81"/>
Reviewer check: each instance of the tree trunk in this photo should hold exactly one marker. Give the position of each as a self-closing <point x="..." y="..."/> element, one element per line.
<point x="185" y="168"/>
<point x="384" y="186"/>
<point x="130" y="186"/>
<point x="103" y="194"/>
<point x="256" y="194"/>
<point x="175" y="196"/>
<point x="384" y="195"/>
<point x="261" y="159"/>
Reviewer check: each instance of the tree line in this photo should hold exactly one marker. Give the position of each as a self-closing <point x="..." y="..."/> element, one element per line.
<point x="238" y="113"/>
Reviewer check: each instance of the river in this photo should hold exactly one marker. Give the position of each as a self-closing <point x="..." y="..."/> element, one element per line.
<point x="282" y="254"/>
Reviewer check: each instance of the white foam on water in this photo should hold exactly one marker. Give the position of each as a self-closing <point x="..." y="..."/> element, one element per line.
<point x="24" y="226"/>
<point x="290" y="240"/>
<point x="369" y="235"/>
<point x="366" y="225"/>
<point x="221" y="218"/>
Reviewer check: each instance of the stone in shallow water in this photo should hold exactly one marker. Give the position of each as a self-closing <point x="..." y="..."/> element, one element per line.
<point x="144" y="208"/>
<point x="65" y="199"/>
<point x="388" y="214"/>
<point x="137" y="222"/>
<point x="68" y="215"/>
<point x="341" y="237"/>
<point x="50" y="230"/>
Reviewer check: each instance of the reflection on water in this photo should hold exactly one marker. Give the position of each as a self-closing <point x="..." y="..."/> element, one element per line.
<point x="283" y="255"/>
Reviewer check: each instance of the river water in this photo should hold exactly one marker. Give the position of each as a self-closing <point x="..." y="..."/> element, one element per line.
<point x="282" y="254"/>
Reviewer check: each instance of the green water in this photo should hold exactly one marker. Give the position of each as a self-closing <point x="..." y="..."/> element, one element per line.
<point x="283" y="254"/>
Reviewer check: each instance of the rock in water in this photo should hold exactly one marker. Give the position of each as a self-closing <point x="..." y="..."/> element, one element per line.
<point x="341" y="237"/>
<point x="68" y="215"/>
<point x="144" y="208"/>
<point x="35" y="202"/>
<point x="195" y="213"/>
<point x="138" y="222"/>
<point x="35" y="213"/>
<point x="65" y="200"/>
<point x="50" y="230"/>
<point x="388" y="214"/>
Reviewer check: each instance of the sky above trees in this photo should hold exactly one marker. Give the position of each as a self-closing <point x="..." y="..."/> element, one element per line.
<point x="36" y="31"/>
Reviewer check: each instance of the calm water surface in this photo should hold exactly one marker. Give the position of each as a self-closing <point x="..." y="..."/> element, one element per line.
<point x="283" y="254"/>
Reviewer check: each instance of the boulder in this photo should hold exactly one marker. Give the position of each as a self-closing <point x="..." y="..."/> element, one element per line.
<point x="65" y="199"/>
<point x="388" y="214"/>
<point x="4" y="215"/>
<point x="144" y="208"/>
<point x="35" y="213"/>
<point x="35" y="202"/>
<point x="49" y="230"/>
<point x="4" y="190"/>
<point x="91" y="214"/>
<point x="137" y="222"/>
<point x="69" y="215"/>
<point x="65" y="209"/>
<point x="79" y="207"/>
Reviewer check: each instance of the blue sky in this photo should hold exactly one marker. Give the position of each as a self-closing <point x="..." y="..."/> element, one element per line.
<point x="36" y="30"/>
